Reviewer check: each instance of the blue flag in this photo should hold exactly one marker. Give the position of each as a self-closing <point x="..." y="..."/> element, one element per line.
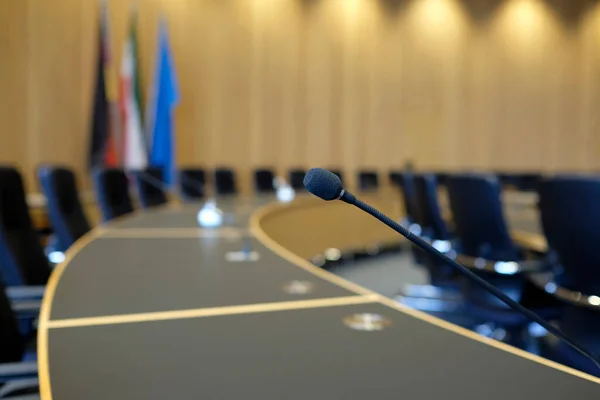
<point x="165" y="98"/>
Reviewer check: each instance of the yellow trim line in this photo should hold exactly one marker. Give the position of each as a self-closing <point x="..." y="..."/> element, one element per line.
<point x="365" y="295"/>
<point x="42" y="339"/>
<point x="281" y="251"/>
<point x="210" y="312"/>
<point x="165" y="233"/>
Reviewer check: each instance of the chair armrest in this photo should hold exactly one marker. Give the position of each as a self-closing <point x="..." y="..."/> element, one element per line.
<point x="17" y="371"/>
<point x="25" y="292"/>
<point x="24" y="389"/>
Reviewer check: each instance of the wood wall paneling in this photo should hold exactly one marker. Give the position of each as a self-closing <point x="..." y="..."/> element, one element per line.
<point x="449" y="84"/>
<point x="14" y="93"/>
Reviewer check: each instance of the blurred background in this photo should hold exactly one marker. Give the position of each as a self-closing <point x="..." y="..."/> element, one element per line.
<point x="450" y="84"/>
<point x="475" y="123"/>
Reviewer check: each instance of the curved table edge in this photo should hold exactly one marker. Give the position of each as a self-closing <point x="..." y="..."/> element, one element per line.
<point x="42" y="335"/>
<point x="271" y="244"/>
<point x="46" y="306"/>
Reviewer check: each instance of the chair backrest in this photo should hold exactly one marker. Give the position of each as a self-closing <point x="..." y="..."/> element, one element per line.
<point x="478" y="217"/>
<point x="112" y="192"/>
<point x="406" y="182"/>
<point x="263" y="180"/>
<point x="427" y="213"/>
<point x="507" y="179"/>
<point x="22" y="258"/>
<point x="368" y="180"/>
<point x="296" y="177"/>
<point x="442" y="178"/>
<point x="150" y="187"/>
<point x="583" y="325"/>
<point x="527" y="182"/>
<point x="225" y="182"/>
<point x="570" y="214"/>
<point x="395" y="178"/>
<point x="64" y="207"/>
<point x="192" y="182"/>
<point x="12" y="344"/>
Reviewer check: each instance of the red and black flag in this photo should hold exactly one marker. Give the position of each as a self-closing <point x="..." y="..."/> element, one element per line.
<point x="102" y="144"/>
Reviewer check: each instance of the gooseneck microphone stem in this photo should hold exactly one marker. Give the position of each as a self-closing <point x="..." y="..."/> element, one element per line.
<point x="154" y="182"/>
<point x="193" y="183"/>
<point x="328" y="186"/>
<point x="349" y="198"/>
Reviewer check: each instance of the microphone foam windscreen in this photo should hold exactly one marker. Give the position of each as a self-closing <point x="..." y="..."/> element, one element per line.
<point x="323" y="184"/>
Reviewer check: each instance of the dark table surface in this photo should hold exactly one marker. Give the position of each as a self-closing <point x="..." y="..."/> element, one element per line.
<point x="151" y="307"/>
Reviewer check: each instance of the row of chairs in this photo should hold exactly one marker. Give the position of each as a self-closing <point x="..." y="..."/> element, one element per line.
<point x="567" y="278"/>
<point x="24" y="271"/>
<point x="112" y="185"/>
<point x="525" y="182"/>
<point x="194" y="180"/>
<point x="69" y="221"/>
<point x="24" y="267"/>
<point x="112" y="188"/>
<point x="23" y="263"/>
<point x="567" y="207"/>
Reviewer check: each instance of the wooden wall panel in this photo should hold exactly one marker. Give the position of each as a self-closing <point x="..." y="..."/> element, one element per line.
<point x="14" y="95"/>
<point x="449" y="84"/>
<point x="57" y="112"/>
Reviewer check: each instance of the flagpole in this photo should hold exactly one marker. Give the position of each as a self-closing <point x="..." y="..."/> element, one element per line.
<point x="113" y="110"/>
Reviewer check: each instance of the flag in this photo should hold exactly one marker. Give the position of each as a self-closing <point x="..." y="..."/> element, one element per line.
<point x="135" y="151"/>
<point x="102" y="144"/>
<point x="160" y="112"/>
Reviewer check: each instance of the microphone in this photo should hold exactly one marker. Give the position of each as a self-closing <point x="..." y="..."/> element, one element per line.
<point x="328" y="186"/>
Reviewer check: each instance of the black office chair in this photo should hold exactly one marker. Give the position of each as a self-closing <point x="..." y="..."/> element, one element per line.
<point x="527" y="182"/>
<point x="368" y="180"/>
<point x="64" y="207"/>
<point x="22" y="258"/>
<point x="570" y="215"/>
<point x="395" y="178"/>
<point x="225" y="182"/>
<point x="475" y="201"/>
<point x="441" y="295"/>
<point x="296" y="177"/>
<point x="192" y="183"/>
<point x="442" y="178"/>
<point x="427" y="210"/>
<point x="406" y="182"/>
<point x="582" y="324"/>
<point x="150" y="187"/>
<point x="263" y="180"/>
<point x="112" y="192"/>
<point x="507" y="179"/>
<point x="484" y="238"/>
<point x="433" y="227"/>
<point x="18" y="365"/>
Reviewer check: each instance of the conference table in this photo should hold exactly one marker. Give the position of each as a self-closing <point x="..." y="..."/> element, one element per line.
<point x="154" y="306"/>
